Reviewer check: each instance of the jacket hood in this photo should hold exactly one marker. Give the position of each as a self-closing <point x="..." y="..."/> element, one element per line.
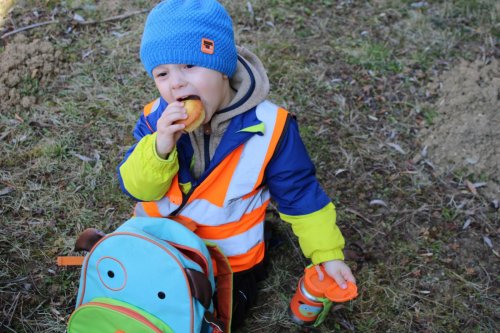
<point x="251" y="86"/>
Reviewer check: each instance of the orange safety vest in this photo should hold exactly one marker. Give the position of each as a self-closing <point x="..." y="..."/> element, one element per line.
<point x="228" y="208"/>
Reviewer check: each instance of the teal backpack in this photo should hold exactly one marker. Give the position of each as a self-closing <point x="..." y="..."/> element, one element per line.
<point x="151" y="275"/>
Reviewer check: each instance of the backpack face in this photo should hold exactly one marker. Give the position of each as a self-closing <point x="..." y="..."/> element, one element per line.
<point x="132" y="281"/>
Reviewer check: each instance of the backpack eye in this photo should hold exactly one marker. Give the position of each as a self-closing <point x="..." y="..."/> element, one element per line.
<point x="112" y="273"/>
<point x="161" y="295"/>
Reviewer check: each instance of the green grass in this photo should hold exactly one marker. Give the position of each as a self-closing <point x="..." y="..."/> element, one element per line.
<point x="353" y="93"/>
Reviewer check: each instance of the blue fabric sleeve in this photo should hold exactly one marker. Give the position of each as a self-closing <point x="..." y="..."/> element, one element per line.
<point x="291" y="176"/>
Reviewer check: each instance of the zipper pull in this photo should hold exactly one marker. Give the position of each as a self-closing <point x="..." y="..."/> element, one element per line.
<point x="207" y="130"/>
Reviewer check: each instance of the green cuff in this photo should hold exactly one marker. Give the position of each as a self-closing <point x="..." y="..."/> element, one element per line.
<point x="147" y="176"/>
<point x="319" y="237"/>
<point x="171" y="157"/>
<point x="321" y="256"/>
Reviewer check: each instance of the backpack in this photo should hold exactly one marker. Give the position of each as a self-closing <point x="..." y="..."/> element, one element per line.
<point x="151" y="275"/>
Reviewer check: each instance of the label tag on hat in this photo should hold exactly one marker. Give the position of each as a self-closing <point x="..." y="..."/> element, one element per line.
<point x="207" y="46"/>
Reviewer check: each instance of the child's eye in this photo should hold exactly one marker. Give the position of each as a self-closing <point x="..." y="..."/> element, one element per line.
<point x="190" y="66"/>
<point x="162" y="74"/>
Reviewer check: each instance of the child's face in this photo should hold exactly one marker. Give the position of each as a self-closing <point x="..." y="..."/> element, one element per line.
<point x="177" y="81"/>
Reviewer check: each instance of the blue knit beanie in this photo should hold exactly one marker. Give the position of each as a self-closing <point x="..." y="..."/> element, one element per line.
<point x="191" y="32"/>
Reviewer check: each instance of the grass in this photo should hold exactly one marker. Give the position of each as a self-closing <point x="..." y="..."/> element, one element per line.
<point x="355" y="73"/>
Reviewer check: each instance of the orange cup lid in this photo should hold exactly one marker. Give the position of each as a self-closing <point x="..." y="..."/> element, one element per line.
<point x="327" y="287"/>
<point x="313" y="284"/>
<point x="335" y="294"/>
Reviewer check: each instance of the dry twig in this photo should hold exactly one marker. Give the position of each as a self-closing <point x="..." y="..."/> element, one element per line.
<point x="109" y="19"/>
<point x="113" y="18"/>
<point x="28" y="27"/>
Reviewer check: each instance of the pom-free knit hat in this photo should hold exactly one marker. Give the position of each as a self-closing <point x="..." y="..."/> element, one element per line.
<point x="191" y="32"/>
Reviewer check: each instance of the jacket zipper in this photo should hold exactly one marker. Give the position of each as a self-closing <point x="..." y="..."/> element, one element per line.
<point x="207" y="131"/>
<point x="127" y="312"/>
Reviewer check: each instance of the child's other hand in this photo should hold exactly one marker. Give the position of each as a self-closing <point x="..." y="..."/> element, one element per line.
<point x="339" y="271"/>
<point x="168" y="132"/>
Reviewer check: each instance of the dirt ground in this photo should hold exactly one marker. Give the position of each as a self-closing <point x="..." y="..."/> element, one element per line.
<point x="466" y="133"/>
<point x="25" y="66"/>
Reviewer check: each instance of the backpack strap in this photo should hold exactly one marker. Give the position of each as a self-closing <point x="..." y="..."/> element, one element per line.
<point x="224" y="283"/>
<point x="201" y="288"/>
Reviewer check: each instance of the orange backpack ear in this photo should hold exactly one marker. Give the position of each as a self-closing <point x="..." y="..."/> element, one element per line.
<point x="88" y="238"/>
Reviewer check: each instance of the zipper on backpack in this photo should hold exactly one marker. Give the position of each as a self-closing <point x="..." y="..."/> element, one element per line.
<point x="125" y="311"/>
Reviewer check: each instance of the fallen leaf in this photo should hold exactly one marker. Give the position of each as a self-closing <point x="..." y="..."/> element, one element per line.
<point x="466" y="224"/>
<point x="488" y="241"/>
<point x="83" y="157"/>
<point x="6" y="190"/>
<point x="471" y="187"/>
<point x="417" y="273"/>
<point x="397" y="148"/>
<point x="250" y="8"/>
<point x="378" y="202"/>
<point x="78" y="18"/>
<point x="424" y="151"/>
<point x="339" y="171"/>
<point x="470" y="271"/>
<point x="18" y="117"/>
<point x="494" y="203"/>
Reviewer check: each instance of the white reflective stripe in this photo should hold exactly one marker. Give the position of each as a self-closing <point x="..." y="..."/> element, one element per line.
<point x="155" y="105"/>
<point x="241" y="243"/>
<point x="165" y="206"/>
<point x="252" y="158"/>
<point x="139" y="210"/>
<point x="205" y="213"/>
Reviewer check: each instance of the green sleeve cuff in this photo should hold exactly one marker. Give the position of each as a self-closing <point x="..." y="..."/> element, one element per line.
<point x="147" y="176"/>
<point x="319" y="236"/>
<point x="321" y="256"/>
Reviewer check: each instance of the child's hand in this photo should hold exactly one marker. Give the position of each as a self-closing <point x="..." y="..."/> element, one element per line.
<point x="168" y="132"/>
<point x="339" y="271"/>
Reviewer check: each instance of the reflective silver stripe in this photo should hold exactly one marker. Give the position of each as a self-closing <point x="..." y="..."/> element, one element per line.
<point x="252" y="158"/>
<point x="164" y="205"/>
<point x="155" y="106"/>
<point x="205" y="213"/>
<point x="242" y="243"/>
<point x="243" y="179"/>
<point x="139" y="210"/>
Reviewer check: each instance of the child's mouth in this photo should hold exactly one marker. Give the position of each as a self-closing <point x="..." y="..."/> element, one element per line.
<point x="188" y="97"/>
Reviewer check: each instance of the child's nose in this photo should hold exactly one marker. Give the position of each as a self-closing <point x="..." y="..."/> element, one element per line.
<point x="178" y="81"/>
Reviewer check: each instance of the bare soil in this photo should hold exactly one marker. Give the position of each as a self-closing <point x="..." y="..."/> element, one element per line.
<point x="467" y="129"/>
<point x="26" y="66"/>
